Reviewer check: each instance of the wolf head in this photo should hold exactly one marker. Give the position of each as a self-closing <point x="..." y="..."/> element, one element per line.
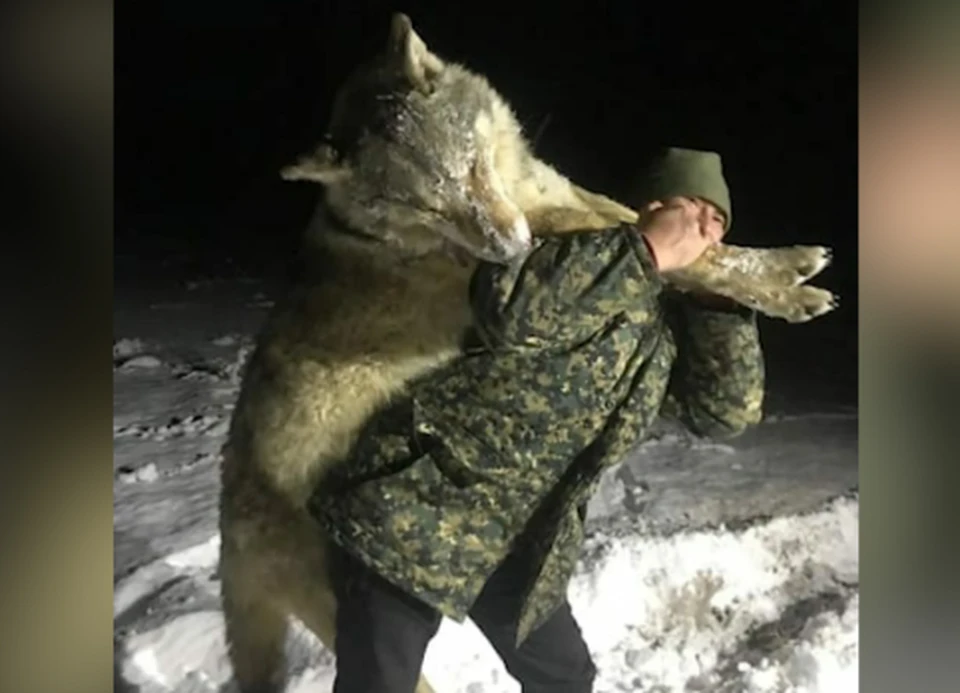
<point x="423" y="153"/>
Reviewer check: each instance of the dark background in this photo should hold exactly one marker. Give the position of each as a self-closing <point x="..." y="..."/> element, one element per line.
<point x="213" y="98"/>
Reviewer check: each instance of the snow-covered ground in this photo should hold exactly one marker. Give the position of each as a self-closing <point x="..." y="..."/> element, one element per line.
<point x="710" y="567"/>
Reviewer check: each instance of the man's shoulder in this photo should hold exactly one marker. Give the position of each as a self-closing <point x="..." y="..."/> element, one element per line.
<point x="590" y="236"/>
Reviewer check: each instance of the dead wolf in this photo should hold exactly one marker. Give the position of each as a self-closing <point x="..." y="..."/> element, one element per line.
<point x="425" y="171"/>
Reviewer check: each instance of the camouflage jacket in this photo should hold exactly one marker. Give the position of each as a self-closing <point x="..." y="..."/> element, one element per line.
<point x="574" y="355"/>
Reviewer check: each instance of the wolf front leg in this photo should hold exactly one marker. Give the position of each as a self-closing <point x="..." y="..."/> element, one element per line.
<point x="768" y="280"/>
<point x="780" y="266"/>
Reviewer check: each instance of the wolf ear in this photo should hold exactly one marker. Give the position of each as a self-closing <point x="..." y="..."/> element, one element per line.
<point x="411" y="54"/>
<point x="319" y="166"/>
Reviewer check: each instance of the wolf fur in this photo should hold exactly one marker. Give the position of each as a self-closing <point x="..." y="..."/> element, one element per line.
<point x="425" y="171"/>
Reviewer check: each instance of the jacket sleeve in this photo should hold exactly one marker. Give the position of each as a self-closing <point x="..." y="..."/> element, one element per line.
<point x="717" y="383"/>
<point x="564" y="291"/>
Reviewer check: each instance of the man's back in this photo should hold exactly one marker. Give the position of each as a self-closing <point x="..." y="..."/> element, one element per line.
<point x="560" y="341"/>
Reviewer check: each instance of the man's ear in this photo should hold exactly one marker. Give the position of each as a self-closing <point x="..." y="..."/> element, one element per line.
<point x="322" y="165"/>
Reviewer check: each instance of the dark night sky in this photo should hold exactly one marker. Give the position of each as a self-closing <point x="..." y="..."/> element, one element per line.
<point x="213" y="98"/>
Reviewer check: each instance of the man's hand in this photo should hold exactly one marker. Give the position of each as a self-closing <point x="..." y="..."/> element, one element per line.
<point x="679" y="230"/>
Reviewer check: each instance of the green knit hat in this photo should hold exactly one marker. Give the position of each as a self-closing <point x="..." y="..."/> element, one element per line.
<point x="687" y="173"/>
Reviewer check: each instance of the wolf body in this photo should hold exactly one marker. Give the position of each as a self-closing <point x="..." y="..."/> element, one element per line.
<point x="425" y="172"/>
<point x="439" y="177"/>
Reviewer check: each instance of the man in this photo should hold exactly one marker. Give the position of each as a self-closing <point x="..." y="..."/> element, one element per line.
<point x="466" y="497"/>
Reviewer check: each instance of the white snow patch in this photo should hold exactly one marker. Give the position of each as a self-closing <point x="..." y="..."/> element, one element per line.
<point x="226" y="340"/>
<point x="150" y="578"/>
<point x="659" y="613"/>
<point x="146" y="661"/>
<point x="127" y="347"/>
<point x="189" y="646"/>
<point x="205" y="555"/>
<point x="145" y="474"/>
<point x="234" y="371"/>
<point x="144" y="362"/>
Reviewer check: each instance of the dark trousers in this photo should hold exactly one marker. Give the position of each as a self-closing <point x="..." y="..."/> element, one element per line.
<point x="383" y="633"/>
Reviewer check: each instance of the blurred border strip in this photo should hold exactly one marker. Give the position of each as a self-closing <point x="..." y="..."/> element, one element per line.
<point x="56" y="67"/>
<point x="909" y="370"/>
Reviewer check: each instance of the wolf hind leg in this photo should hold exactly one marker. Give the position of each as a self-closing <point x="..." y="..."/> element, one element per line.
<point x="256" y="631"/>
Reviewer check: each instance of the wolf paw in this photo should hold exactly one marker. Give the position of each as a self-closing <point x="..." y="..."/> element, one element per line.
<point x="799" y="304"/>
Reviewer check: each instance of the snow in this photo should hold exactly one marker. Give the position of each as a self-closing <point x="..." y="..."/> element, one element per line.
<point x="729" y="567"/>
<point x="668" y="613"/>
<point x="659" y="613"/>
